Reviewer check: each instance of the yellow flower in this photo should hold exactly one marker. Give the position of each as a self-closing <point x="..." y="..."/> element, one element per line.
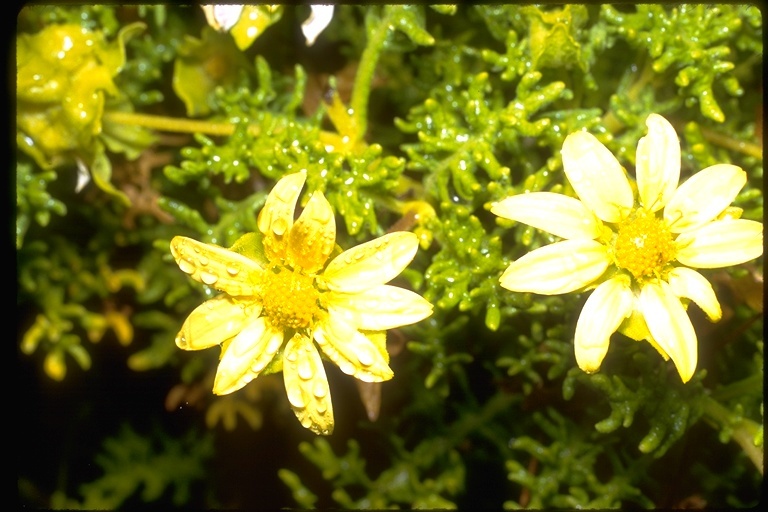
<point x="638" y="250"/>
<point x="281" y="302"/>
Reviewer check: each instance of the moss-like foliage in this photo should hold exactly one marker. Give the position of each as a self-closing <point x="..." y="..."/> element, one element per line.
<point x="137" y="123"/>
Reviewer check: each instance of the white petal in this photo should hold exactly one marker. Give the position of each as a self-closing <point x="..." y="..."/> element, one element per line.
<point x="658" y="163"/>
<point x="721" y="244"/>
<point x="561" y="267"/>
<point x="703" y="197"/>
<point x="307" y="385"/>
<point x="597" y="177"/>
<point x="235" y="366"/>
<point x="670" y="326"/>
<point x="558" y="214"/>
<point x="352" y="351"/>
<point x="380" y="308"/>
<point x="319" y="18"/>
<point x="605" y="309"/>
<point x="688" y="283"/>
<point x="372" y="263"/>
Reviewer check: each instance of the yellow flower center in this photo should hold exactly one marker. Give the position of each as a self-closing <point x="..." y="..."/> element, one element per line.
<point x="289" y="298"/>
<point x="644" y="245"/>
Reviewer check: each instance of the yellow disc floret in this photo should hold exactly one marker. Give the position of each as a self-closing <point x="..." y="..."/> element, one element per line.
<point x="289" y="298"/>
<point x="643" y="245"/>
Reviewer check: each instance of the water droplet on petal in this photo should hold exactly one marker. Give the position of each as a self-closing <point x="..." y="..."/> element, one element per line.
<point x="305" y="370"/>
<point x="319" y="389"/>
<point x="364" y="356"/>
<point x="279" y="226"/>
<point x="347" y="367"/>
<point x="203" y="261"/>
<point x="186" y="266"/>
<point x="208" y="278"/>
<point x="233" y="271"/>
<point x="321" y="407"/>
<point x="291" y="356"/>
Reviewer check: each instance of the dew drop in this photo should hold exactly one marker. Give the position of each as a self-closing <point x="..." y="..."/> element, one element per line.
<point x="279" y="226"/>
<point x="296" y="398"/>
<point x="305" y="370"/>
<point x="208" y="278"/>
<point x="203" y="261"/>
<point x="181" y="341"/>
<point x="364" y="356"/>
<point x="321" y="407"/>
<point x="291" y="356"/>
<point x="319" y="389"/>
<point x="347" y="367"/>
<point x="186" y="266"/>
<point x="233" y="271"/>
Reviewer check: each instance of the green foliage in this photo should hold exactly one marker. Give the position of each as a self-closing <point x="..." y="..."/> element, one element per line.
<point x="406" y="117"/>
<point x="567" y="477"/>
<point x="152" y="465"/>
<point x="403" y="484"/>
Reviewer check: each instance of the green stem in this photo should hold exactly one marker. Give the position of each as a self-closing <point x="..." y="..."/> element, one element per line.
<point x="364" y="77"/>
<point x="744" y="431"/>
<point x="736" y="145"/>
<point x="175" y="124"/>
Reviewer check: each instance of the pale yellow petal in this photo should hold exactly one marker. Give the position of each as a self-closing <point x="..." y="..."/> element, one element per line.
<point x="313" y="236"/>
<point x="351" y="350"/>
<point x="657" y="165"/>
<point x="558" y="214"/>
<point x="307" y="385"/>
<point x="276" y="217"/>
<point x="561" y="267"/>
<point x="606" y="308"/>
<point x="372" y="263"/>
<point x="703" y="197"/>
<point x="721" y="244"/>
<point x="688" y="283"/>
<point x="216" y="266"/>
<point x="597" y="177"/>
<point x="255" y="341"/>
<point x="380" y="308"/>
<point x="215" y="321"/>
<point x="670" y="326"/>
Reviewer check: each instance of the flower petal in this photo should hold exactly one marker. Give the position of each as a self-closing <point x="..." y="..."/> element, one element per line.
<point x="561" y="267"/>
<point x="720" y="244"/>
<point x="319" y="18"/>
<point x="605" y="309"/>
<point x="313" y="236"/>
<point x="215" y="321"/>
<point x="216" y="266"/>
<point x="351" y="350"/>
<point x="307" y="385"/>
<point x="558" y="214"/>
<point x="372" y="263"/>
<point x="597" y="177"/>
<point x="276" y="217"/>
<point x="670" y="326"/>
<point x="257" y="342"/>
<point x="703" y="197"/>
<point x="688" y="283"/>
<point x="657" y="164"/>
<point x="380" y="308"/>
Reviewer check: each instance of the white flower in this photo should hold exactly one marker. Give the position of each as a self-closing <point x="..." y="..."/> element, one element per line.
<point x="638" y="253"/>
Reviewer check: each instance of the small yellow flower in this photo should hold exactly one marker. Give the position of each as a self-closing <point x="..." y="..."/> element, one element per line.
<point x="281" y="302"/>
<point x="637" y="252"/>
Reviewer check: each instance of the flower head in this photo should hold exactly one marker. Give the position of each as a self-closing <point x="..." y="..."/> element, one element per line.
<point x="638" y="250"/>
<point x="282" y="302"/>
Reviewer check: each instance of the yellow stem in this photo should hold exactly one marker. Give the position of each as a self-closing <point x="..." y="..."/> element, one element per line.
<point x="175" y="124"/>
